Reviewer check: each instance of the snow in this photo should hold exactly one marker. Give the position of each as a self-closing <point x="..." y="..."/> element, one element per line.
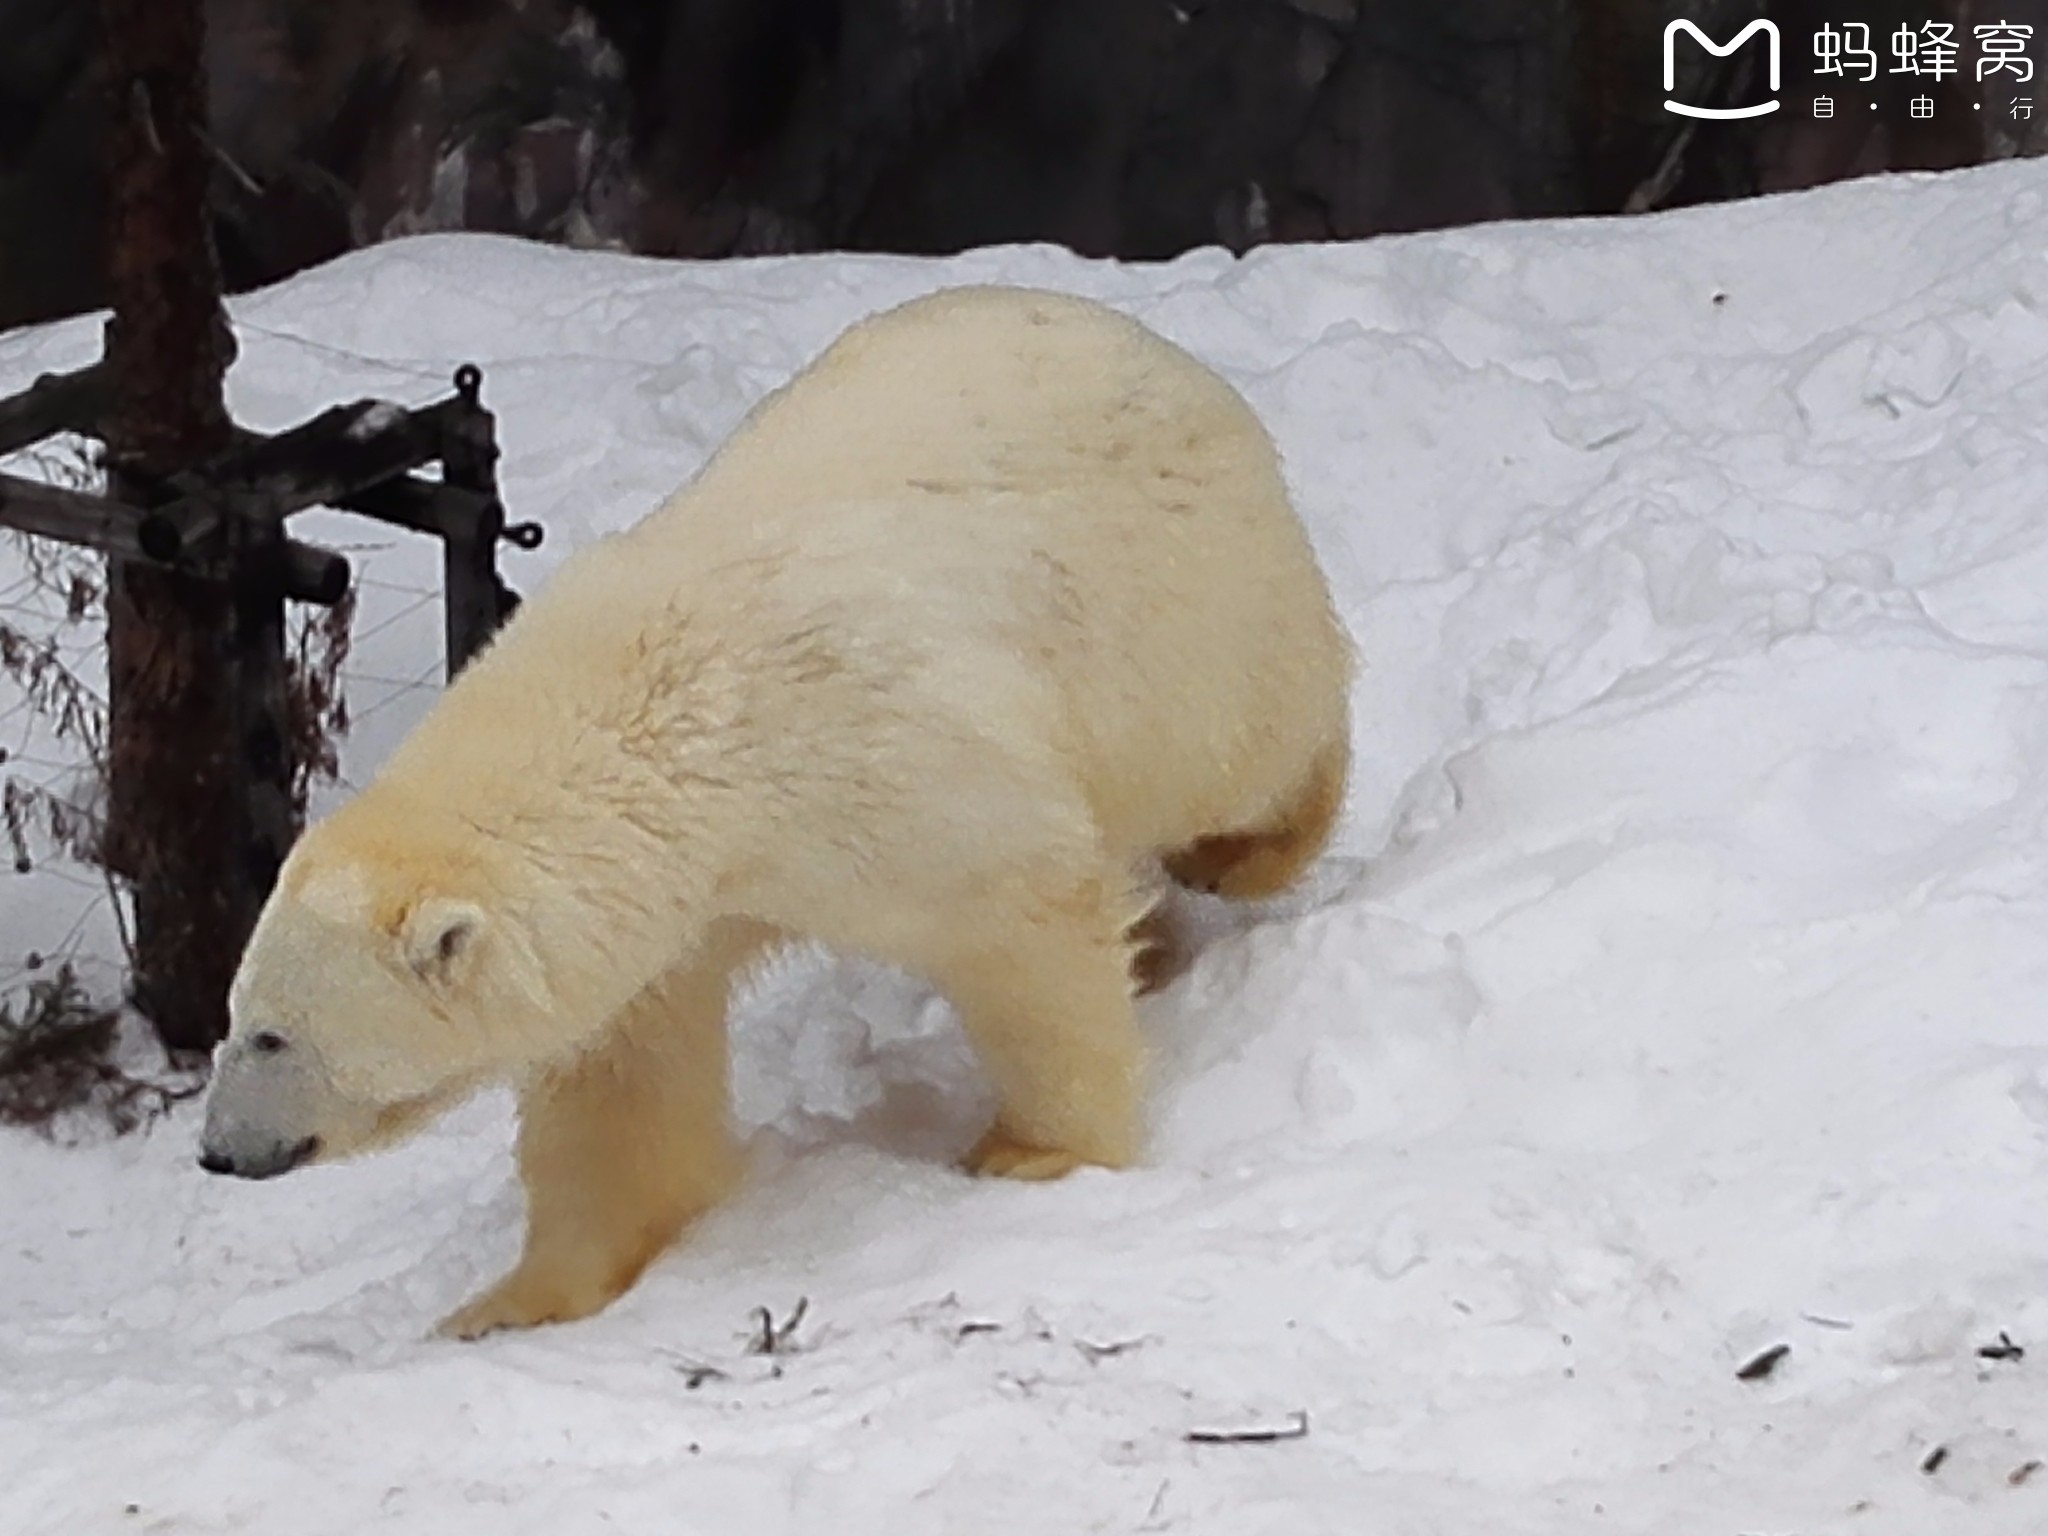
<point x="1676" y="991"/>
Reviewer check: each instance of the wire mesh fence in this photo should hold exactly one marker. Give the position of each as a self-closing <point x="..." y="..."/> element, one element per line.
<point x="65" y="914"/>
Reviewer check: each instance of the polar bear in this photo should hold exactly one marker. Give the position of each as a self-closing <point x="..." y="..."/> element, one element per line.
<point x="989" y="618"/>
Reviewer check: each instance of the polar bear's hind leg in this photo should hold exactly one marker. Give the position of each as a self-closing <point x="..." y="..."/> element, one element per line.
<point x="1265" y="861"/>
<point x="1044" y="995"/>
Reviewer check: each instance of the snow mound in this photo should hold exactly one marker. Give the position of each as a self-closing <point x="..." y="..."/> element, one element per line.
<point x="1675" y="992"/>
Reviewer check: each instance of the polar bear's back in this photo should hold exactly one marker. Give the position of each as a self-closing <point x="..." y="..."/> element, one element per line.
<point x="988" y="540"/>
<point x="989" y="389"/>
<point x="1046" y="479"/>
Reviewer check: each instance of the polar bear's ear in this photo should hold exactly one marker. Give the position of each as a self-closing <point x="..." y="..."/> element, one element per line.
<point x="440" y="936"/>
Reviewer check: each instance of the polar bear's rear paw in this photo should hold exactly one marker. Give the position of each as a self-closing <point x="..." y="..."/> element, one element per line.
<point x="1001" y="1155"/>
<point x="520" y="1300"/>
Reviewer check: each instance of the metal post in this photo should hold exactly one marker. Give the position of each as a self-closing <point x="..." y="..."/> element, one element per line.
<point x="469" y="546"/>
<point x="260" y="708"/>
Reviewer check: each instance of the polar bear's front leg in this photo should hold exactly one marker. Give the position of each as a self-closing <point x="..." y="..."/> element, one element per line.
<point x="620" y="1150"/>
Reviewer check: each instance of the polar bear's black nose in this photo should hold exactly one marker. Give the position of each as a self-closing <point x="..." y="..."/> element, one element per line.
<point x="264" y="1163"/>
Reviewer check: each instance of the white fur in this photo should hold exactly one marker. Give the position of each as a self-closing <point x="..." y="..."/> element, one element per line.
<point x="993" y="606"/>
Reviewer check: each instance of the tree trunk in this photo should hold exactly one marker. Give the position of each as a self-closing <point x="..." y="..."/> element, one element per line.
<point x="176" y="828"/>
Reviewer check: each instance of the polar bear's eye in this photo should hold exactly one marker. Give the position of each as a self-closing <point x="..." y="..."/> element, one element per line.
<point x="266" y="1042"/>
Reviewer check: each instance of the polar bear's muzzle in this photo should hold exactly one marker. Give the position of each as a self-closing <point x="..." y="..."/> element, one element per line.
<point x="266" y="1110"/>
<point x="279" y="1158"/>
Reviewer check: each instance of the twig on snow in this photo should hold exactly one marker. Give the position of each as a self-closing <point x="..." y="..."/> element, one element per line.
<point x="2004" y="1349"/>
<point x="695" y="1373"/>
<point x="773" y="1338"/>
<point x="1154" y="1520"/>
<point x="1095" y="1353"/>
<point x="1296" y="1428"/>
<point x="1759" y="1366"/>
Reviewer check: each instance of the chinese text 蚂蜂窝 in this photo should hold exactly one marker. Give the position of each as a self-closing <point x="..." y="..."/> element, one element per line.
<point x="1930" y="49"/>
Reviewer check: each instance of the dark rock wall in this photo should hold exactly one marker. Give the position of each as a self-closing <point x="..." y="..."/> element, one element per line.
<point x="1135" y="128"/>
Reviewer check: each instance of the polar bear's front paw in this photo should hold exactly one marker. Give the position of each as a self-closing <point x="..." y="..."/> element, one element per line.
<point x="520" y="1300"/>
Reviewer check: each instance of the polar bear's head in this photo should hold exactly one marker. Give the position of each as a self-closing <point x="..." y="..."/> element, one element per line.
<point x="387" y="978"/>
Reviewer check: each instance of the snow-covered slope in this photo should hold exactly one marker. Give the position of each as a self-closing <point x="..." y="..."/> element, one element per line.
<point x="1678" y="992"/>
